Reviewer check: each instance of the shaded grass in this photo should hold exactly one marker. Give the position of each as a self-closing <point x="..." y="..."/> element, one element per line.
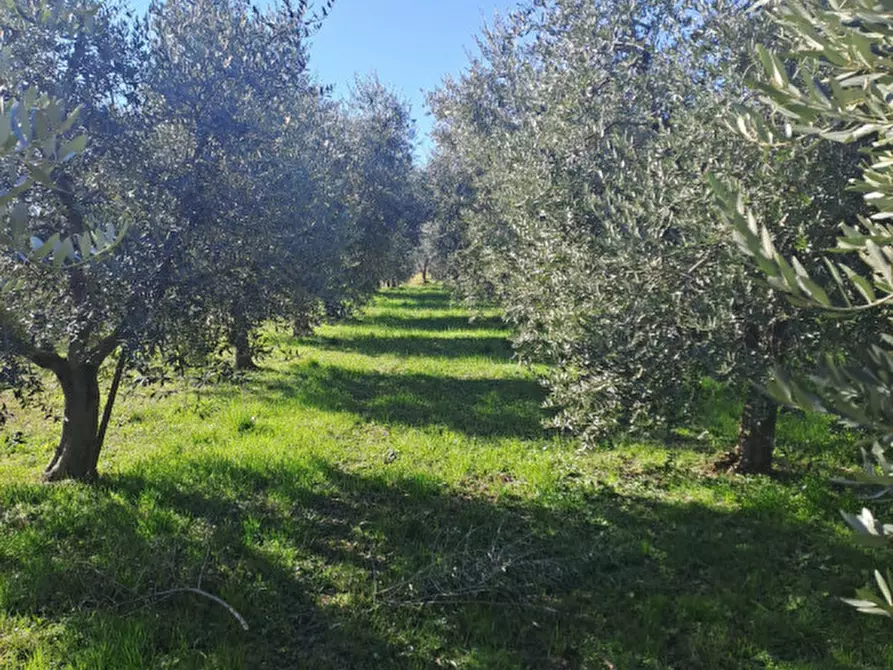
<point x="428" y="321"/>
<point x="364" y="508"/>
<point x="412" y="345"/>
<point x="507" y="407"/>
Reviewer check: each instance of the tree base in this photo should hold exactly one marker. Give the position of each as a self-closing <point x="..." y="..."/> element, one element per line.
<point x="63" y="473"/>
<point x="247" y="365"/>
<point x="756" y="436"/>
<point x="77" y="455"/>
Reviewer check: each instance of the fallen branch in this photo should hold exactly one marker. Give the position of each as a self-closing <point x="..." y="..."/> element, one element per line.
<point x="210" y="596"/>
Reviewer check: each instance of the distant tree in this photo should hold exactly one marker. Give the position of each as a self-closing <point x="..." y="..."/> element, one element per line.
<point x="381" y="189"/>
<point x="441" y="237"/>
<point x="426" y="251"/>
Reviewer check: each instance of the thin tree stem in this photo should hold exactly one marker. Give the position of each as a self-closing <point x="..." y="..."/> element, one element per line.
<point x="110" y="400"/>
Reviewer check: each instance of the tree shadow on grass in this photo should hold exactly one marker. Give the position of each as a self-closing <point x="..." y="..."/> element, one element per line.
<point x="334" y="569"/>
<point x="433" y="323"/>
<point x="413" y="345"/>
<point x="485" y="407"/>
<point x="427" y="298"/>
<point x="102" y="563"/>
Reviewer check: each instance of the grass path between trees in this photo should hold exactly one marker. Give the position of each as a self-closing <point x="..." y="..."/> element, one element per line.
<point x="382" y="495"/>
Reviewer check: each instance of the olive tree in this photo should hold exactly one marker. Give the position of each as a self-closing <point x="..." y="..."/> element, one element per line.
<point x="838" y="92"/>
<point x="586" y="132"/>
<point x="381" y="189"/>
<point x="228" y="82"/>
<point x="441" y="239"/>
<point x="68" y="305"/>
<point x="145" y="236"/>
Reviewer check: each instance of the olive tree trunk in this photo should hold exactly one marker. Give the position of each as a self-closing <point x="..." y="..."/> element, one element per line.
<point x="302" y="325"/>
<point x="241" y="342"/>
<point x="77" y="455"/>
<point x="756" y="434"/>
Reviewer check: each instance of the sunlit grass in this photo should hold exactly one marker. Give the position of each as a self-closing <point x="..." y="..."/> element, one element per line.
<point x="382" y="495"/>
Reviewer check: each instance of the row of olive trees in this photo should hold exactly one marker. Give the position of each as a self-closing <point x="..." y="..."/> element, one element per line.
<point x="569" y="185"/>
<point x="179" y="180"/>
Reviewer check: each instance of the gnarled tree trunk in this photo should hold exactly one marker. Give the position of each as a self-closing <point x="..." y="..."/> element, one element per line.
<point x="756" y="434"/>
<point x="77" y="455"/>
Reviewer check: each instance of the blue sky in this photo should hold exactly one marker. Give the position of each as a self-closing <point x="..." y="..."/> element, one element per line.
<point x="411" y="44"/>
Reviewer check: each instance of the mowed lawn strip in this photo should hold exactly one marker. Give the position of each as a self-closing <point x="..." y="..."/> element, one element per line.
<point x="383" y="495"/>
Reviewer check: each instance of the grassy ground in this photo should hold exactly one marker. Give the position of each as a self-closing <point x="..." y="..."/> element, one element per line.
<point x="382" y="496"/>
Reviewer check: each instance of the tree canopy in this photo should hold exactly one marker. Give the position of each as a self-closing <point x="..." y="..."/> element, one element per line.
<point x="181" y="179"/>
<point x="583" y="136"/>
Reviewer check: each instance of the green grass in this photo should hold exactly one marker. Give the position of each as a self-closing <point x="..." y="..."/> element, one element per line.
<point x="382" y="496"/>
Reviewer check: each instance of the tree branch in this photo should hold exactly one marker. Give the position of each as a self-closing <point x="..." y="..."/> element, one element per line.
<point x="104" y="349"/>
<point x="48" y="360"/>
<point x="43" y="358"/>
<point x="210" y="596"/>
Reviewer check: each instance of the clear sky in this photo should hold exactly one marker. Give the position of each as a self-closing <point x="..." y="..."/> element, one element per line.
<point x="411" y="44"/>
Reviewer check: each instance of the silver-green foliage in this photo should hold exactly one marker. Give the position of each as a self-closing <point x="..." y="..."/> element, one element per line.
<point x="33" y="142"/>
<point x="839" y="91"/>
<point x="585" y="131"/>
<point x="216" y="152"/>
